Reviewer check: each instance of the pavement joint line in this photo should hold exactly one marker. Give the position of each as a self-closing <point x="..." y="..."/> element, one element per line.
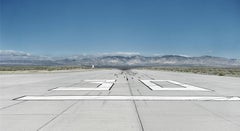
<point x="2" y="108"/>
<point x="111" y="86"/>
<point x="60" y="113"/>
<point x="60" y="86"/>
<point x="52" y="88"/>
<point x="141" y="95"/>
<point x="99" y="85"/>
<point x="104" y="102"/>
<point x="135" y="105"/>
<point x="19" y="97"/>
<point x="56" y="116"/>
<point x="145" y="85"/>
<point x="159" y="84"/>
<point x="148" y="76"/>
<point x="216" y="114"/>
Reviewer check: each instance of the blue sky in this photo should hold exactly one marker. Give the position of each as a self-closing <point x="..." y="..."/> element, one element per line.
<point x="66" y="27"/>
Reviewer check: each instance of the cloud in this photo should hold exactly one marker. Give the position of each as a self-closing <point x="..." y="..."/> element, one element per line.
<point x="13" y="53"/>
<point x="183" y="55"/>
<point x="20" y="55"/>
<point x="121" y="53"/>
<point x="157" y="54"/>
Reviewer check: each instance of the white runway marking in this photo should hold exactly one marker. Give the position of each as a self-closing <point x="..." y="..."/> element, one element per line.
<point x="129" y="98"/>
<point x="82" y="89"/>
<point x="185" y="87"/>
<point x="104" y="85"/>
<point x="100" y="81"/>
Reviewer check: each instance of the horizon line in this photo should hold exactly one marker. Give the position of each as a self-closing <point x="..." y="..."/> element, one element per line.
<point x="118" y="53"/>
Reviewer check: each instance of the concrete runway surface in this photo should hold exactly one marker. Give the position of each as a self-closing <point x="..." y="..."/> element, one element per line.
<point x="115" y="100"/>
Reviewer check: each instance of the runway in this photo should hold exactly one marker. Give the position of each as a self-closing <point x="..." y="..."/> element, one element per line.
<point x="117" y="100"/>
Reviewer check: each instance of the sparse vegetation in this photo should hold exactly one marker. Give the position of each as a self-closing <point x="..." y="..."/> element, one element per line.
<point x="45" y="68"/>
<point x="202" y="70"/>
<point x="199" y="70"/>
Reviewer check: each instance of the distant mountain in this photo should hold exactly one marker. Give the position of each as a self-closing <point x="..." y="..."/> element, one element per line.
<point x="10" y="57"/>
<point x="22" y="58"/>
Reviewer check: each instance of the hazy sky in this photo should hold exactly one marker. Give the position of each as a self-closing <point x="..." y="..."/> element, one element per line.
<point x="64" y="27"/>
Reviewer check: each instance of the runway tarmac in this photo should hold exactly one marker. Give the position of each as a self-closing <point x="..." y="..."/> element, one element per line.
<point x="116" y="100"/>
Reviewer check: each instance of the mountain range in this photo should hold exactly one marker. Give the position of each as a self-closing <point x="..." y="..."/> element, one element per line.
<point x="9" y="57"/>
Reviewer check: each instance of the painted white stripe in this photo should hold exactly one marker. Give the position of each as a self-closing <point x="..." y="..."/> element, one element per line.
<point x="111" y="81"/>
<point x="80" y="89"/>
<point x="129" y="98"/>
<point x="104" y="85"/>
<point x="185" y="87"/>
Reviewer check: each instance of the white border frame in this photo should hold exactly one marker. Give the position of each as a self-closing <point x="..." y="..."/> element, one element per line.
<point x="104" y="85"/>
<point x="185" y="87"/>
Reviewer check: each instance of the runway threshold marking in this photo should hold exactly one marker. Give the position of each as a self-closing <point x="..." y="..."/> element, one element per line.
<point x="104" y="85"/>
<point x="129" y="98"/>
<point x="184" y="87"/>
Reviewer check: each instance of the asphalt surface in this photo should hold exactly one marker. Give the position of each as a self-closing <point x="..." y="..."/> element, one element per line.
<point x="115" y="100"/>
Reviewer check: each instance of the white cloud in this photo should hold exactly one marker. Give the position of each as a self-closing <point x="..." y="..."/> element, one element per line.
<point x="121" y="53"/>
<point x="157" y="54"/>
<point x="184" y="55"/>
<point x="13" y="53"/>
